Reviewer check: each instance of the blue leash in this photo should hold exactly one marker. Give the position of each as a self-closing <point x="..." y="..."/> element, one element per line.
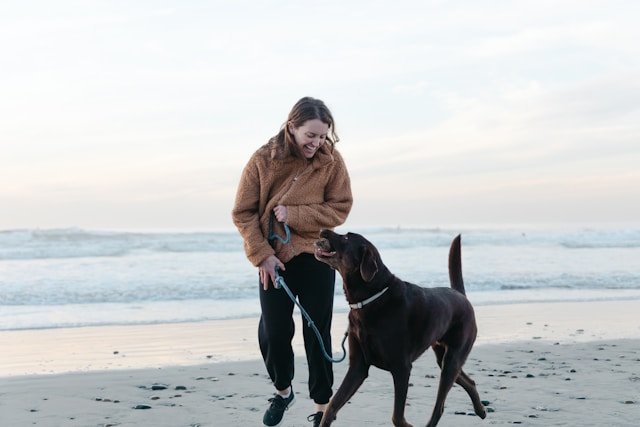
<point x="273" y="235"/>
<point x="280" y="283"/>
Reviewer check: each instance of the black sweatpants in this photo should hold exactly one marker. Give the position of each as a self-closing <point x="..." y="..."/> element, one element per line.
<point x="313" y="282"/>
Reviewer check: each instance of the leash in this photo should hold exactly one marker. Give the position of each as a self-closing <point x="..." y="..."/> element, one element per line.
<point x="280" y="284"/>
<point x="273" y="235"/>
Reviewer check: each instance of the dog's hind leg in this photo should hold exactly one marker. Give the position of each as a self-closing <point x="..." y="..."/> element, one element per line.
<point x="450" y="365"/>
<point x="439" y="350"/>
<point x="463" y="380"/>
<point x="470" y="387"/>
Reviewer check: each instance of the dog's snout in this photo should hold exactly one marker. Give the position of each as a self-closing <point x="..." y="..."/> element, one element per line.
<point x="323" y="243"/>
<point x="325" y="233"/>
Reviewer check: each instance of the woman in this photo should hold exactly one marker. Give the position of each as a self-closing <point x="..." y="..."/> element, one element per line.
<point x="297" y="179"/>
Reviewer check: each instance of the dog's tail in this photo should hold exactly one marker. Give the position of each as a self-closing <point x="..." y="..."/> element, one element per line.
<point x="455" y="266"/>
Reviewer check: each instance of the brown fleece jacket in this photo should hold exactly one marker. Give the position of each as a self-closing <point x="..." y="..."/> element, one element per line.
<point x="316" y="192"/>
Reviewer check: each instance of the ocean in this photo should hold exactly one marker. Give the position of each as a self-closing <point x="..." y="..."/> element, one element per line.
<point x="53" y="278"/>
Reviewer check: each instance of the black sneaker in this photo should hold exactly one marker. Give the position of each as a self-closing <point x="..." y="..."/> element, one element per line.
<point x="275" y="412"/>
<point x="315" y="418"/>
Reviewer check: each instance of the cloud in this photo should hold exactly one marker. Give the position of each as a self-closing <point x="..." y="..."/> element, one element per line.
<point x="411" y="89"/>
<point x="545" y="38"/>
<point x="165" y="103"/>
<point x="521" y="136"/>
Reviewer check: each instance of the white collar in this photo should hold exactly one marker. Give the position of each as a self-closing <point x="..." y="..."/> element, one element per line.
<point x="368" y="300"/>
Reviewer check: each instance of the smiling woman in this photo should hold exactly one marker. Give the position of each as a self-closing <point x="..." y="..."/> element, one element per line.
<point x="309" y="136"/>
<point x="299" y="179"/>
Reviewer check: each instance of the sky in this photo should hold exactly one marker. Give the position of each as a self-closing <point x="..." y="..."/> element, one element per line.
<point x="141" y="115"/>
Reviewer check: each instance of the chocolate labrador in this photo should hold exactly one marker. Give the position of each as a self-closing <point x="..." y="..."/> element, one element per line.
<point x="392" y="322"/>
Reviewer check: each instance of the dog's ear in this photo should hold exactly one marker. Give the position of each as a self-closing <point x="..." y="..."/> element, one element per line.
<point x="368" y="264"/>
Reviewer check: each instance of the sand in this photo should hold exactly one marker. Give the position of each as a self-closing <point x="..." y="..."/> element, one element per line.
<point x="560" y="364"/>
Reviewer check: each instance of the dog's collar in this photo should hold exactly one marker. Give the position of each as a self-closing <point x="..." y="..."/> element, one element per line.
<point x="368" y="300"/>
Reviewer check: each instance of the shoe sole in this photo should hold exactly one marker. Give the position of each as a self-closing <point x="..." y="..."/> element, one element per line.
<point x="285" y="409"/>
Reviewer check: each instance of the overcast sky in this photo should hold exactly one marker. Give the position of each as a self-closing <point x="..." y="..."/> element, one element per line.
<point x="141" y="115"/>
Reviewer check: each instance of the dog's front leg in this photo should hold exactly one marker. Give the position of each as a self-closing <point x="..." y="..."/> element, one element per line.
<point x="400" y="386"/>
<point x="355" y="376"/>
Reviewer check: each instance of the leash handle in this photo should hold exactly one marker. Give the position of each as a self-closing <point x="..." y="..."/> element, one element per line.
<point x="275" y="236"/>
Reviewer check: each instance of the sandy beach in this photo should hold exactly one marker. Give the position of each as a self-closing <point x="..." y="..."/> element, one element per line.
<point x="561" y="364"/>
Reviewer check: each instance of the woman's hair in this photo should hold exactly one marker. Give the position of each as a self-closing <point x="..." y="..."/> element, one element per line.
<point x="306" y="109"/>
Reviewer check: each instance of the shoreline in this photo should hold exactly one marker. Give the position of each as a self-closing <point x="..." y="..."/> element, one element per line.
<point x="534" y="364"/>
<point x="71" y="316"/>
<point x="104" y="348"/>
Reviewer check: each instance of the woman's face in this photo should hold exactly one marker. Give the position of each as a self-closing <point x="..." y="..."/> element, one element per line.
<point x="310" y="136"/>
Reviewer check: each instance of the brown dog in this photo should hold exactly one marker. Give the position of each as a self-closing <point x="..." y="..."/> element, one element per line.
<point x="393" y="322"/>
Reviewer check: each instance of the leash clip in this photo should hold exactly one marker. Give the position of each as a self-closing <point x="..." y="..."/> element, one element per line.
<point x="278" y="283"/>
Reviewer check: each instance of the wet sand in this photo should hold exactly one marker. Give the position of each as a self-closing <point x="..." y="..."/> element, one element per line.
<point x="564" y="364"/>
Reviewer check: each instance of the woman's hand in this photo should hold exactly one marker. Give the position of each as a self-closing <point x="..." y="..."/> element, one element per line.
<point x="280" y="212"/>
<point x="267" y="270"/>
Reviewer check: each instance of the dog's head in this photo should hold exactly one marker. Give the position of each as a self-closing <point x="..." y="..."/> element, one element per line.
<point x="351" y="254"/>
